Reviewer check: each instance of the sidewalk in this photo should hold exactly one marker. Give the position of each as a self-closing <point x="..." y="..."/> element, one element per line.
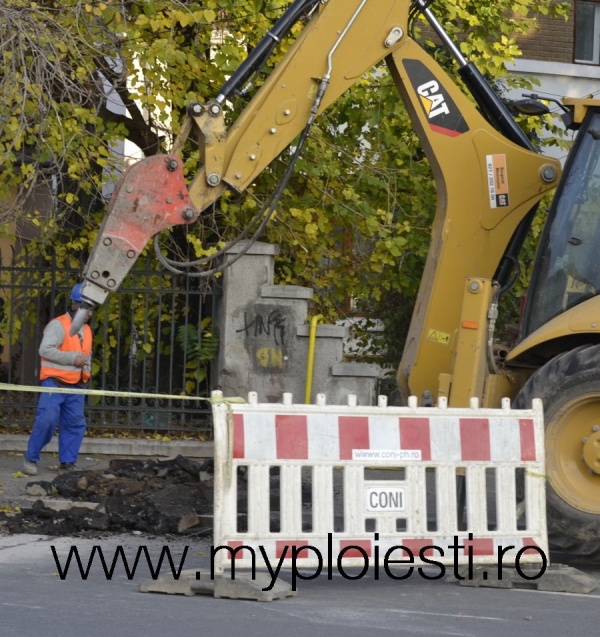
<point x="120" y="446"/>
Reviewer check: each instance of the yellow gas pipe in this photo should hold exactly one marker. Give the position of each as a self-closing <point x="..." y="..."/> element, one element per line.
<point x="312" y="338"/>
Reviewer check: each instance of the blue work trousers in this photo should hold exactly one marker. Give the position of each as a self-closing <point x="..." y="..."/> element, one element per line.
<point x="64" y="411"/>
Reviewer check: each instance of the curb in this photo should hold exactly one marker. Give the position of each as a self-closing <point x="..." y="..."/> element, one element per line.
<point x="120" y="446"/>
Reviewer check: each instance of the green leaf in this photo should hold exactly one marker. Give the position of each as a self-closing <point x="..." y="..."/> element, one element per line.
<point x="209" y="15"/>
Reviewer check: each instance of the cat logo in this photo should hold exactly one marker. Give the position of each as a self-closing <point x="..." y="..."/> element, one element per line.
<point x="432" y="99"/>
<point x="443" y="116"/>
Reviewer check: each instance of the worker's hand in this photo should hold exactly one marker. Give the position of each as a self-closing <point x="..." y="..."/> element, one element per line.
<point x="80" y="361"/>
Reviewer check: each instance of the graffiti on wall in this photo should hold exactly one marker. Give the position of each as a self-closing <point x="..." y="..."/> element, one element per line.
<point x="264" y="329"/>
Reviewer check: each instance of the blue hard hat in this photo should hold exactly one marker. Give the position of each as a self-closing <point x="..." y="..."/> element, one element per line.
<point x="76" y="293"/>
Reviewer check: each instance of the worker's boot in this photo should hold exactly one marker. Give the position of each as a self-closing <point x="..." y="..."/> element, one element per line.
<point x="30" y="468"/>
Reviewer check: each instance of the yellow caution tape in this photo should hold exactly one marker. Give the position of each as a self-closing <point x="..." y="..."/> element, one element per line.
<point x="116" y="394"/>
<point x="535" y="474"/>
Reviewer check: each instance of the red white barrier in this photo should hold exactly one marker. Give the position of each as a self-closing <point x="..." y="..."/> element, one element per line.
<point x="377" y="482"/>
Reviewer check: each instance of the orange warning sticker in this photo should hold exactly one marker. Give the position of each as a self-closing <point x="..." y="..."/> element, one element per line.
<point x="497" y="180"/>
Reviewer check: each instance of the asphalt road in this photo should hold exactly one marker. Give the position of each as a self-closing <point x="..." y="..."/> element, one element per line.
<point x="34" y="600"/>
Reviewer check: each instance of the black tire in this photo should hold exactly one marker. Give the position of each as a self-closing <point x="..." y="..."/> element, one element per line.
<point x="569" y="387"/>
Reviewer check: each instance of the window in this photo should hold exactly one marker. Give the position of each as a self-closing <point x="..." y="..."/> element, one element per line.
<point x="567" y="268"/>
<point x="587" y="31"/>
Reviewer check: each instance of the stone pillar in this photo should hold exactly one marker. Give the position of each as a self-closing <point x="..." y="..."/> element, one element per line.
<point x="259" y="350"/>
<point x="241" y="287"/>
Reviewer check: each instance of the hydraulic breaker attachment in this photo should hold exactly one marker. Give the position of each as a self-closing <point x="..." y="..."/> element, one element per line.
<point x="151" y="196"/>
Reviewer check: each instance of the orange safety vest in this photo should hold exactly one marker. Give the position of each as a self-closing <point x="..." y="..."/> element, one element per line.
<point x="69" y="373"/>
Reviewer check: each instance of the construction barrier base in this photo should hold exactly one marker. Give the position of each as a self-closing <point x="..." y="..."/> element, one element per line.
<point x="557" y="578"/>
<point x="259" y="588"/>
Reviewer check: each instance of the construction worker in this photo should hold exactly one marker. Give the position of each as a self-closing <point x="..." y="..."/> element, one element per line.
<point x="65" y="362"/>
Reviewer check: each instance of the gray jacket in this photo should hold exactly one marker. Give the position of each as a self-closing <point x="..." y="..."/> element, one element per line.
<point x="53" y="337"/>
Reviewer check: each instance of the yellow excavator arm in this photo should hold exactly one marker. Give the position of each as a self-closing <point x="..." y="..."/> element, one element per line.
<point x="487" y="181"/>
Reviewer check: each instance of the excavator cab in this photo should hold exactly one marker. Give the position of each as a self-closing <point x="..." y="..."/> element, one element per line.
<point x="567" y="267"/>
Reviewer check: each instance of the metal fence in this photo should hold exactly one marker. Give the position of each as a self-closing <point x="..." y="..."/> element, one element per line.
<point x="155" y="335"/>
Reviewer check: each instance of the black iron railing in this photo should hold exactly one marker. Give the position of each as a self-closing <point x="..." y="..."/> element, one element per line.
<point x="153" y="336"/>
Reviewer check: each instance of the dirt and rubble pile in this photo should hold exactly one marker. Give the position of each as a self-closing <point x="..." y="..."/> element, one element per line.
<point x="152" y="496"/>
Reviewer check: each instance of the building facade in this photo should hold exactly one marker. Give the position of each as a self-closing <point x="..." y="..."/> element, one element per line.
<point x="564" y="56"/>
